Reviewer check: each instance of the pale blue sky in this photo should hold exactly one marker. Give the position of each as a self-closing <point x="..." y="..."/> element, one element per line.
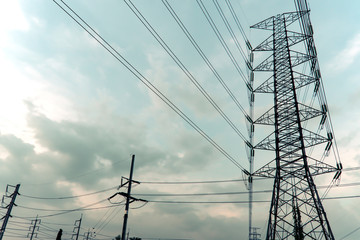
<point x="71" y="115"/>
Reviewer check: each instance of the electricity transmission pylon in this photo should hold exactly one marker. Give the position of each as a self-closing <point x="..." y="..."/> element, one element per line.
<point x="296" y="210"/>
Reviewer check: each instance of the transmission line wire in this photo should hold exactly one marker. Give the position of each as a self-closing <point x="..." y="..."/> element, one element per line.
<point x="230" y="30"/>
<point x="222" y="41"/>
<point x="166" y="238"/>
<point x="14" y="235"/>
<point x="107" y="218"/>
<point x="206" y="202"/>
<point x="17" y="229"/>
<point x="110" y="218"/>
<point x="84" y="25"/>
<point x="47" y="228"/>
<point x="66" y="210"/>
<point x="233" y="13"/>
<point x="196" y="182"/>
<point x="221" y="181"/>
<point x="40" y="233"/>
<point x="245" y="202"/>
<point x="233" y="193"/>
<point x="68" y="197"/>
<point x="158" y="38"/>
<point x="305" y="24"/>
<point x="203" y="56"/>
<point x="17" y="222"/>
<point x="58" y="224"/>
<point x="195" y="194"/>
<point x="350" y="233"/>
<point x="101" y="219"/>
<point x="61" y="212"/>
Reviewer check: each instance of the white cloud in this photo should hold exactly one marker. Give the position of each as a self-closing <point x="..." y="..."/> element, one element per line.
<point x="347" y="56"/>
<point x="12" y="17"/>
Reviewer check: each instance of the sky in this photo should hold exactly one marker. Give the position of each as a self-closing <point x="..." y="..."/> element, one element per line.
<point x="72" y="116"/>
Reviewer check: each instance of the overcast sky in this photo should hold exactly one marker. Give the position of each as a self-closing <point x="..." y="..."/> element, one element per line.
<point x="72" y="115"/>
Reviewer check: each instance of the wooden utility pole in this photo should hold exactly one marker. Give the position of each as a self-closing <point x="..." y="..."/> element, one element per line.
<point x="128" y="199"/>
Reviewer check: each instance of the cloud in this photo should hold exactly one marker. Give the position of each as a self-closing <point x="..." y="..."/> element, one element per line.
<point x="16" y="147"/>
<point x="12" y="17"/>
<point x="346" y="57"/>
<point x="191" y="222"/>
<point x="82" y="155"/>
<point x="102" y="139"/>
<point x="177" y="86"/>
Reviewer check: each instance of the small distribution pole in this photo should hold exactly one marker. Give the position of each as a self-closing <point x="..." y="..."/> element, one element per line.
<point x="88" y="235"/>
<point x="9" y="207"/>
<point x="128" y="199"/>
<point x="34" y="228"/>
<point x="77" y="228"/>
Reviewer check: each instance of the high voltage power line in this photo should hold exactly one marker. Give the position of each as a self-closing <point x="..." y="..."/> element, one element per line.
<point x="197" y="182"/>
<point x="180" y="64"/>
<point x="204" y="57"/>
<point x="168" y="194"/>
<point x="107" y="219"/>
<point x="180" y="183"/>
<point x="221" y="39"/>
<point x="108" y="47"/>
<point x="68" y="197"/>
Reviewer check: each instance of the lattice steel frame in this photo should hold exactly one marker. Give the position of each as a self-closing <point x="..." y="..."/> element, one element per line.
<point x="296" y="210"/>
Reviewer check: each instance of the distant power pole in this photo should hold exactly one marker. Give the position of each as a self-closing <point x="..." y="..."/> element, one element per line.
<point x="128" y="199"/>
<point x="88" y="235"/>
<point x="77" y="228"/>
<point x="34" y="228"/>
<point x="9" y="207"/>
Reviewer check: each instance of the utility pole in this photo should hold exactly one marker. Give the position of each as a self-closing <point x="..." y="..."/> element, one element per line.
<point x="77" y="228"/>
<point x="128" y="199"/>
<point x="34" y="228"/>
<point x="9" y="207"/>
<point x="87" y="235"/>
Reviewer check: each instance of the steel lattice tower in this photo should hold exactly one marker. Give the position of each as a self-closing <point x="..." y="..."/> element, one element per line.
<point x="296" y="210"/>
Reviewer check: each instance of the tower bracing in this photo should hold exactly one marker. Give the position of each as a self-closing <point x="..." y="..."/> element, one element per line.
<point x="296" y="210"/>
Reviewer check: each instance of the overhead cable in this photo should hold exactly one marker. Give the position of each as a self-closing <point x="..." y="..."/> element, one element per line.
<point x="233" y="13"/>
<point x="69" y="197"/>
<point x="194" y="182"/>
<point x="222" y="41"/>
<point x="232" y="193"/>
<point x="230" y="30"/>
<point x="159" y="39"/>
<point x="83" y="24"/>
<point x="61" y="212"/>
<point x="239" y="202"/>
<point x="203" y="56"/>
